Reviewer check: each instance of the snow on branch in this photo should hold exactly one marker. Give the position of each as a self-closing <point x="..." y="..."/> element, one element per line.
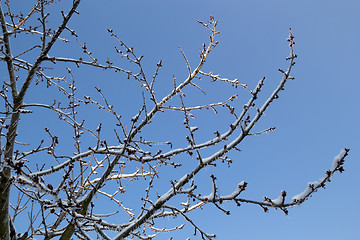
<point x="97" y="150"/>
<point x="337" y="166"/>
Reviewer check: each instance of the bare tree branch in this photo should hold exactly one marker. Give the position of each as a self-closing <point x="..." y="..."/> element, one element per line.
<point x="59" y="192"/>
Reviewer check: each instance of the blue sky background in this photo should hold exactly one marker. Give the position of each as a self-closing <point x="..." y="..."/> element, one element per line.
<point x="316" y="116"/>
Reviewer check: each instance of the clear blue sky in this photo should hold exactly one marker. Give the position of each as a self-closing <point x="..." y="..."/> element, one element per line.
<point x="316" y="116"/>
